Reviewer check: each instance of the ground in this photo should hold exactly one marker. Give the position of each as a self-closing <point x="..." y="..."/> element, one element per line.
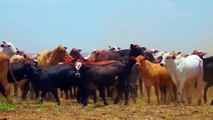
<point x="70" y="110"/>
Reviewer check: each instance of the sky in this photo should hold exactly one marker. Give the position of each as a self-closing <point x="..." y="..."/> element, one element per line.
<point x="37" y="25"/>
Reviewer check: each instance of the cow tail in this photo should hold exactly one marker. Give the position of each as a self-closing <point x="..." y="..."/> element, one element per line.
<point x="201" y="71"/>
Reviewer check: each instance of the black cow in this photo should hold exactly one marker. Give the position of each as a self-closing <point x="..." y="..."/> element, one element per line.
<point x="48" y="79"/>
<point x="207" y="75"/>
<point x="99" y="76"/>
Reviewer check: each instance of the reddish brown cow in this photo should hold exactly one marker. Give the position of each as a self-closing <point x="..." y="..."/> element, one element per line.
<point x="4" y="66"/>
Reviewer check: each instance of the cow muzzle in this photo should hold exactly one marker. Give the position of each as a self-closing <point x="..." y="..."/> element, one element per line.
<point x="77" y="74"/>
<point x="161" y="64"/>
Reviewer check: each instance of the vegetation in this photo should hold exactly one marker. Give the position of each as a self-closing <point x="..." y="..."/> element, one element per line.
<point x="71" y="110"/>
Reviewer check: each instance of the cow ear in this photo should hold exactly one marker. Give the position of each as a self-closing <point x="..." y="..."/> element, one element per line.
<point x="133" y="58"/>
<point x="132" y="46"/>
<point x="4" y="42"/>
<point x="146" y="58"/>
<point x="79" y="50"/>
<point x="109" y="46"/>
<point x="173" y="57"/>
<point x="179" y="53"/>
<point x="119" y="48"/>
<point x="25" y="56"/>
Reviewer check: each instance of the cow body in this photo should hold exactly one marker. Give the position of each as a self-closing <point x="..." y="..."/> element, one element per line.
<point x="47" y="79"/>
<point x="185" y="72"/>
<point x="4" y="66"/>
<point x="154" y="75"/>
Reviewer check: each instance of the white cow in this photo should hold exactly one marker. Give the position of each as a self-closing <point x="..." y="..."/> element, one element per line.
<point x="185" y="72"/>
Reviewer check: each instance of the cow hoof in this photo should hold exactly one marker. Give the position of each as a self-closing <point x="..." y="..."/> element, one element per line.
<point x="212" y="102"/>
<point x="106" y="104"/>
<point x="178" y="103"/>
<point x="126" y="103"/>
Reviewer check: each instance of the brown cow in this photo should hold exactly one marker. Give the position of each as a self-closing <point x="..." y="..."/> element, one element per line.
<point x="4" y="65"/>
<point x="49" y="58"/>
<point x="154" y="75"/>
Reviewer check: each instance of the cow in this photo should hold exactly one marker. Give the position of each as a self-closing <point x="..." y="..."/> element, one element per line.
<point x="47" y="79"/>
<point x="17" y="74"/>
<point x="76" y="55"/>
<point x="186" y="73"/>
<point x="9" y="49"/>
<point x="134" y="50"/>
<point x="207" y="75"/>
<point x="99" y="76"/>
<point x="199" y="53"/>
<point x="49" y="58"/>
<point x="154" y="75"/>
<point x="4" y="67"/>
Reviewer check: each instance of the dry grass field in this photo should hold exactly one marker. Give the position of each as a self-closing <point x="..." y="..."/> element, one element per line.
<point x="70" y="110"/>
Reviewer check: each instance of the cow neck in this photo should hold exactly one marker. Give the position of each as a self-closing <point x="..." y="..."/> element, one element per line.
<point x="145" y="66"/>
<point x="11" y="72"/>
<point x="173" y="64"/>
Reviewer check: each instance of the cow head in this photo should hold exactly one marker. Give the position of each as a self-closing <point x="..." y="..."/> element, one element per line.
<point x="76" y="54"/>
<point x="140" y="60"/>
<point x="8" y="48"/>
<point x="199" y="53"/>
<point x="78" y="67"/>
<point x="114" y="48"/>
<point x="135" y="50"/>
<point x="167" y="57"/>
<point x="58" y="55"/>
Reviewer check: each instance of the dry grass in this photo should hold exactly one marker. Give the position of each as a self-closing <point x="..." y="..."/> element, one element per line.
<point x="29" y="110"/>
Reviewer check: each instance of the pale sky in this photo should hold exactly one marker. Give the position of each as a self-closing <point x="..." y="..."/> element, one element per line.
<point x="36" y="25"/>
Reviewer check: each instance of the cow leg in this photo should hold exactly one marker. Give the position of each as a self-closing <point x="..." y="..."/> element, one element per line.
<point x="163" y="92"/>
<point x="94" y="96"/>
<point x="54" y="93"/>
<point x="119" y="95"/>
<point x="174" y="90"/>
<point x="141" y="86"/>
<point x="103" y="96"/>
<point x="157" y="93"/>
<point x="78" y="96"/>
<point x="36" y="94"/>
<point x="189" y="93"/>
<point x="134" y="94"/>
<point x="212" y="102"/>
<point x="170" y="93"/>
<point x="148" y="94"/>
<point x="205" y="93"/>
<point x="126" y="94"/>
<point x="25" y="90"/>
<point x="43" y="95"/>
<point x="179" y="91"/>
<point x="15" y="86"/>
<point x="84" y="94"/>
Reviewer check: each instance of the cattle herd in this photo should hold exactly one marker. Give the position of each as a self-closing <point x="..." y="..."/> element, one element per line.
<point x="115" y="73"/>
